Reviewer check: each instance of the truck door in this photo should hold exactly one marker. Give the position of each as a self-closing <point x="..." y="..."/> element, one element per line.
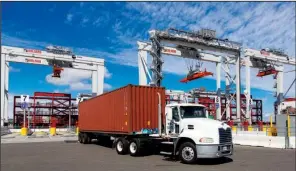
<point x="176" y="120"/>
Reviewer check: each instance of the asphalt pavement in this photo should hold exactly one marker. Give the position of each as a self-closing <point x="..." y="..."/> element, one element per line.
<point x="61" y="156"/>
<point x="4" y="131"/>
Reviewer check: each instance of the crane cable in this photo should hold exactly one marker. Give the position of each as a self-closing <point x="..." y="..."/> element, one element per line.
<point x="193" y="64"/>
<point x="289" y="88"/>
<point x="290" y="71"/>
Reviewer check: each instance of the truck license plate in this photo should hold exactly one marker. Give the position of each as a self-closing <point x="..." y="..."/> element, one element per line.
<point x="224" y="148"/>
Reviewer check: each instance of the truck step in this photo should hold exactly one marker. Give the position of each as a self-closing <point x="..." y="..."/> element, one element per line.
<point x="166" y="153"/>
<point x="167" y="142"/>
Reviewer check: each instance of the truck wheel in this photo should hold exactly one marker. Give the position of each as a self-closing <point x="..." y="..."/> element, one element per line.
<point x="88" y="139"/>
<point x="134" y="147"/>
<point x="83" y="138"/>
<point x="80" y="138"/>
<point x="187" y="153"/>
<point x="122" y="146"/>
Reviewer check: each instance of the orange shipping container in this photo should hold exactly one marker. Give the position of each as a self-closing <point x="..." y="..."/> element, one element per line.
<point x="123" y="111"/>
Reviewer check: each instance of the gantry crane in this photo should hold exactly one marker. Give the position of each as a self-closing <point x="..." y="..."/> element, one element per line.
<point x="204" y="46"/>
<point x="55" y="56"/>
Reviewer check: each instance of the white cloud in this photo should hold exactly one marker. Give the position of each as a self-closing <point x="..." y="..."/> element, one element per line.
<point x="125" y="57"/>
<point x="80" y="86"/>
<point x="107" y="73"/>
<point x="75" y="79"/>
<point x="98" y="21"/>
<point x="14" y="41"/>
<point x="89" y="14"/>
<point x="107" y="86"/>
<point x="84" y="20"/>
<point x="86" y="86"/>
<point x="69" y="18"/>
<point x="69" y="76"/>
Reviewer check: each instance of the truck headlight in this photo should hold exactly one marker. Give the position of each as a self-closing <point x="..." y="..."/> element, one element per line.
<point x="206" y="140"/>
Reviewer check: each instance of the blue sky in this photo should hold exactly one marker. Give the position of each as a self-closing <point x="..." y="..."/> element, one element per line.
<point x="110" y="30"/>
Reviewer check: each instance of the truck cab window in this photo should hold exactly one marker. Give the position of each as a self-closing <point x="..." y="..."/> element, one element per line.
<point x="193" y="112"/>
<point x="175" y="114"/>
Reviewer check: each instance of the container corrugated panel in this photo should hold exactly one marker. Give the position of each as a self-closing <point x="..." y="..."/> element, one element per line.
<point x="124" y="111"/>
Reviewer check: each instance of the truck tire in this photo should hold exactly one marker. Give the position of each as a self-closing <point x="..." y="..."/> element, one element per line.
<point x="134" y="147"/>
<point x="83" y="138"/>
<point x="88" y="139"/>
<point x="121" y="146"/>
<point x="80" y="138"/>
<point x="187" y="153"/>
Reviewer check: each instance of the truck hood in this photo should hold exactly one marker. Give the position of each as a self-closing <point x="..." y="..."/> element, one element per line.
<point x="205" y="123"/>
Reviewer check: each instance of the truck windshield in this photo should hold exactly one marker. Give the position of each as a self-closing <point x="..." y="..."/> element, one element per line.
<point x="192" y="112"/>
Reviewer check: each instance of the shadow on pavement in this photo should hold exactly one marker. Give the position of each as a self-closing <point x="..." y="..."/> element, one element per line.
<point x="71" y="141"/>
<point x="218" y="161"/>
<point x="103" y="143"/>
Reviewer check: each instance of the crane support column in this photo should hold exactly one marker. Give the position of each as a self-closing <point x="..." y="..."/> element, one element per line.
<point x="6" y="92"/>
<point x="248" y="90"/>
<point x="3" y="88"/>
<point x="156" y="59"/>
<point x="94" y="82"/>
<point x="218" y="88"/>
<point x="238" y="87"/>
<point x="100" y="79"/>
<point x="280" y="91"/>
<point x="142" y="60"/>
<point x="227" y="91"/>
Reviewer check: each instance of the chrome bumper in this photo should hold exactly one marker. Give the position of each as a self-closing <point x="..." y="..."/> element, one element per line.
<point x="214" y="151"/>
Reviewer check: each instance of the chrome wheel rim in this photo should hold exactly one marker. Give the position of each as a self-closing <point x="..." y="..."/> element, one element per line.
<point x="133" y="147"/>
<point x="119" y="146"/>
<point x="187" y="153"/>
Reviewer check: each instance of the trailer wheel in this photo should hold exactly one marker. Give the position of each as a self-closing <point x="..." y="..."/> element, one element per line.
<point x="187" y="153"/>
<point x="121" y="146"/>
<point x="134" y="147"/>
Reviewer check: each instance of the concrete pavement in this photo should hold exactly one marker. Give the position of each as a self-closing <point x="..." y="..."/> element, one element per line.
<point x="48" y="156"/>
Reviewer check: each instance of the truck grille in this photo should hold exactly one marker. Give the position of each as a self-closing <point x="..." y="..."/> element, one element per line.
<point x="225" y="136"/>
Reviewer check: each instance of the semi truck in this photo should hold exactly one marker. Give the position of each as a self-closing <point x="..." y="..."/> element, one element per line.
<point x="137" y="119"/>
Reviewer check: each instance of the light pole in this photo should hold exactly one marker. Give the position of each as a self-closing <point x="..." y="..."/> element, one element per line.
<point x="70" y="111"/>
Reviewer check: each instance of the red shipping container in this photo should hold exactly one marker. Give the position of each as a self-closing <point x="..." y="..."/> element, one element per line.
<point x="123" y="111"/>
